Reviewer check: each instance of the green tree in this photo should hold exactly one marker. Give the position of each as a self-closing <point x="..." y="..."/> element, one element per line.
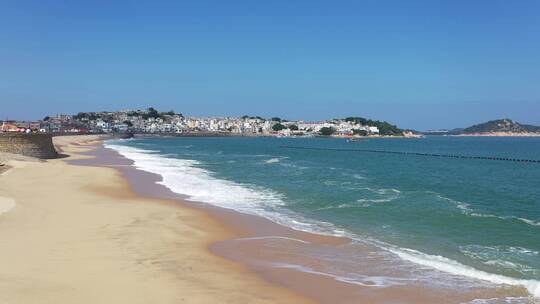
<point x="327" y="131"/>
<point x="278" y="127"/>
<point x="46" y="118"/>
<point x="80" y="116"/>
<point x="357" y="120"/>
<point x="150" y="113"/>
<point x="276" y="119"/>
<point x="293" y="127"/>
<point x="153" y="112"/>
<point x="384" y="127"/>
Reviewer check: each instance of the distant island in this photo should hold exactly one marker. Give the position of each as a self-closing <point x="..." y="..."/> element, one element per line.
<point x="499" y="127"/>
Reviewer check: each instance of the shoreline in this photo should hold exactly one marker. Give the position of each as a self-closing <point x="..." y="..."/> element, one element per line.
<point x="255" y="234"/>
<point x="495" y="134"/>
<point x="245" y="249"/>
<point x="78" y="234"/>
<point x="501" y="134"/>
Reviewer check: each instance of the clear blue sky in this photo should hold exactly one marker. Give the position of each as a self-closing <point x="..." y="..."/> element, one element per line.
<point x="419" y="64"/>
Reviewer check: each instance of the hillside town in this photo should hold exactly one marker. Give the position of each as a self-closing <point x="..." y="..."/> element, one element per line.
<point x="151" y="121"/>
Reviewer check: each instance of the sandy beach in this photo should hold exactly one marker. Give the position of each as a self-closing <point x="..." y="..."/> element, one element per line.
<point x="78" y="234"/>
<point x="92" y="228"/>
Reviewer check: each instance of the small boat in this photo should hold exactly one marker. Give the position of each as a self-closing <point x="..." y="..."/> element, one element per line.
<point x="356" y="140"/>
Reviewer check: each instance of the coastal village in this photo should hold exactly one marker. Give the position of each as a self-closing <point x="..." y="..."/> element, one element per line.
<point x="151" y="121"/>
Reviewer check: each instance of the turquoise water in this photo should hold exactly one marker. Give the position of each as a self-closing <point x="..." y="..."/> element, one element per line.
<point x="478" y="217"/>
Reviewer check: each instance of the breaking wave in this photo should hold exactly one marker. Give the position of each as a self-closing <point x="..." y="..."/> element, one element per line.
<point x="185" y="177"/>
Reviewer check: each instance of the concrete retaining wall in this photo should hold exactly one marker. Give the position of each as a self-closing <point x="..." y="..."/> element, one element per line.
<point x="34" y="145"/>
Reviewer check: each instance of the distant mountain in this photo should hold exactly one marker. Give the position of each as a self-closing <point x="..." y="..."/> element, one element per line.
<point x="501" y="125"/>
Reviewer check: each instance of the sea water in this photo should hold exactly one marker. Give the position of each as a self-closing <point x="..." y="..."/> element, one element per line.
<point x="473" y="220"/>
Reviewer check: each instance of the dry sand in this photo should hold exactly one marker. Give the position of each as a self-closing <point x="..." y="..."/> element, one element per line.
<point x="73" y="234"/>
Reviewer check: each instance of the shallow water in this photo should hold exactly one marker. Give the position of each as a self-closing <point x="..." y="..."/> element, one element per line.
<point x="467" y="222"/>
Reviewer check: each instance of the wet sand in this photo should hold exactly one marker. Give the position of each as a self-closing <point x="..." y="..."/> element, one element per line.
<point x="79" y="234"/>
<point x="275" y="252"/>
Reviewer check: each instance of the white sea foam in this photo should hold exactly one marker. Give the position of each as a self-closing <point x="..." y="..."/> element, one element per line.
<point x="382" y="190"/>
<point x="456" y="268"/>
<point x="502" y="257"/>
<point x="506" y="300"/>
<point x="271" y="237"/>
<point x="185" y="177"/>
<point x="520" y="219"/>
<point x="357" y="279"/>
<point x="272" y="161"/>
<point x="478" y="251"/>
<point x="6" y="204"/>
<point x="359" y="176"/>
<point x="530" y="222"/>
<point x="524" y="269"/>
<point x="464" y="207"/>
<point x="467" y="210"/>
<point x="382" y="200"/>
<point x="381" y="196"/>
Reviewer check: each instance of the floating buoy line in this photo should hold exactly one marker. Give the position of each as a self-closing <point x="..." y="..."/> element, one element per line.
<point x="418" y="154"/>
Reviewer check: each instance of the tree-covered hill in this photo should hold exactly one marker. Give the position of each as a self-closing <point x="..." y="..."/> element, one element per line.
<point x="501" y="125"/>
<point x="384" y="127"/>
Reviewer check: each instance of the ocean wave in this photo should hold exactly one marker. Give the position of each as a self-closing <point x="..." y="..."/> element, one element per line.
<point x="382" y="195"/>
<point x="506" y="300"/>
<point x="527" y="221"/>
<point x="351" y="174"/>
<point x="369" y="202"/>
<point x="496" y="251"/>
<point x="502" y="257"/>
<point x="356" y="279"/>
<point x="381" y="190"/>
<point x="466" y="209"/>
<point x="185" y="177"/>
<point x="236" y="155"/>
<point x="505" y="218"/>
<point x="453" y="267"/>
<point x="523" y="269"/>
<point x="291" y="165"/>
<point x="255" y="238"/>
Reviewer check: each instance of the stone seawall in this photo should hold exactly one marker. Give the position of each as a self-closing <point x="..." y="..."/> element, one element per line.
<point x="34" y="145"/>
